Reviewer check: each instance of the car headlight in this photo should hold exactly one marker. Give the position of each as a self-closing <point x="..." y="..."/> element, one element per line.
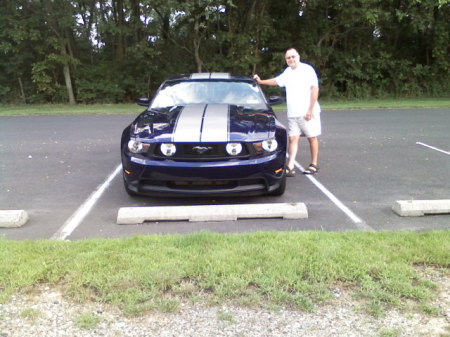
<point x="270" y="145"/>
<point x="234" y="149"/>
<point x="168" y="149"/>
<point x="135" y="146"/>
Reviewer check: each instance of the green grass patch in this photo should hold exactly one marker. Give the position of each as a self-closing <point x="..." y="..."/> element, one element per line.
<point x="413" y="103"/>
<point x="86" y="321"/>
<point x="389" y="332"/>
<point x="225" y="316"/>
<point x="403" y="103"/>
<point x="30" y="314"/>
<point x="131" y="108"/>
<point x="65" y="109"/>
<point x="296" y="269"/>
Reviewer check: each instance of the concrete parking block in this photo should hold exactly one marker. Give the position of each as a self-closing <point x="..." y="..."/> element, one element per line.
<point x="13" y="218"/>
<point x="137" y="215"/>
<point x="421" y="207"/>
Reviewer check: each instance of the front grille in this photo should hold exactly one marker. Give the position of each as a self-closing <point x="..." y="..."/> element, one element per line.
<point x="207" y="185"/>
<point x="203" y="152"/>
<point x="202" y="185"/>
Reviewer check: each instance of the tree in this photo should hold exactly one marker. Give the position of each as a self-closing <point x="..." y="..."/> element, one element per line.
<point x="114" y="50"/>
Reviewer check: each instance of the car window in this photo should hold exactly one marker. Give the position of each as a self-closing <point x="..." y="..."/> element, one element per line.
<point x="209" y="92"/>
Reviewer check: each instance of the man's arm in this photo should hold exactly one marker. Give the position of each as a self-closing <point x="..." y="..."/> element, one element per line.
<point x="312" y="102"/>
<point x="270" y="81"/>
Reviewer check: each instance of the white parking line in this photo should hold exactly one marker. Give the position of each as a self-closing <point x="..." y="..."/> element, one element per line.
<point x="77" y="217"/>
<point x="356" y="220"/>
<point x="433" y="148"/>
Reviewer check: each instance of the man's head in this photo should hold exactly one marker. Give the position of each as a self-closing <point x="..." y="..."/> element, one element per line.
<point x="292" y="58"/>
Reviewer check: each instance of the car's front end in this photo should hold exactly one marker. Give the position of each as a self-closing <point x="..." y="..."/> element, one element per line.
<point x="206" y="147"/>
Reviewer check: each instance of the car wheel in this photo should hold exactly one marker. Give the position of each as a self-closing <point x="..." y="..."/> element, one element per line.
<point x="280" y="190"/>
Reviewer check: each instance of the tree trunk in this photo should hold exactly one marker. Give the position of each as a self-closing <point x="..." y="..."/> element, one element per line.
<point x="196" y="42"/>
<point x="67" y="77"/>
<point x="120" y="51"/>
<point x="136" y="20"/>
<point x="24" y="98"/>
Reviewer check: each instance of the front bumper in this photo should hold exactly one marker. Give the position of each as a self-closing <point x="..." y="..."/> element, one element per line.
<point x="225" y="178"/>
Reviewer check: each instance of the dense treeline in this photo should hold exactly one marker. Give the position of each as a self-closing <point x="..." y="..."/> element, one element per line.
<point x="115" y="50"/>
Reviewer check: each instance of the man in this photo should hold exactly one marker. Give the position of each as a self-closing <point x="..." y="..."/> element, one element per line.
<point x="302" y="91"/>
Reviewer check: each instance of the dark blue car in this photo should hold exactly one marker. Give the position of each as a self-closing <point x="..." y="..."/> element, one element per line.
<point x="205" y="134"/>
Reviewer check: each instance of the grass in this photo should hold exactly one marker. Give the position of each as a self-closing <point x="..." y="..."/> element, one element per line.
<point x="388" y="332"/>
<point x="86" y="321"/>
<point x="130" y="108"/>
<point x="226" y="317"/>
<point x="65" y="109"/>
<point x="296" y="269"/>
<point x="403" y="103"/>
<point x="30" y="314"/>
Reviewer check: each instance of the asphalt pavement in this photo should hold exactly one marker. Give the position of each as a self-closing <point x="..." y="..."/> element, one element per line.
<point x="64" y="171"/>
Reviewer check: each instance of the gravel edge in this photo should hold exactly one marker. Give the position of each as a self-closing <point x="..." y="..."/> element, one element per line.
<point x="47" y="313"/>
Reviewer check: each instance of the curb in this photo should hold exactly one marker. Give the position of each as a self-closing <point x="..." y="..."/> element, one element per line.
<point x="421" y="207"/>
<point x="138" y="215"/>
<point x="13" y="218"/>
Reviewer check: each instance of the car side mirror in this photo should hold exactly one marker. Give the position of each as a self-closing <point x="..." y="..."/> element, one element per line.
<point x="143" y="101"/>
<point x="274" y="100"/>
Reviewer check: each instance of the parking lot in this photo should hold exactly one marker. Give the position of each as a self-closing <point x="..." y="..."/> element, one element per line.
<point x="65" y="171"/>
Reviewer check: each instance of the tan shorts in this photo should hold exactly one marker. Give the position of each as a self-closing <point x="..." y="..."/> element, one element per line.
<point x="298" y="126"/>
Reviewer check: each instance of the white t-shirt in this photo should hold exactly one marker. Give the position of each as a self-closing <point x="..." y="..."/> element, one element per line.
<point x="298" y="83"/>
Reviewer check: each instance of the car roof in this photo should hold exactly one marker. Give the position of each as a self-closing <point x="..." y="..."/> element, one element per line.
<point x="211" y="76"/>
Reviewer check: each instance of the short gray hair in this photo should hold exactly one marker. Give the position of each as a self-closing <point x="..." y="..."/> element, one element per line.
<point x="293" y="49"/>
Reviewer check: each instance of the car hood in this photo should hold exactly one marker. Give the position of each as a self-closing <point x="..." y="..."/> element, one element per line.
<point x="204" y="123"/>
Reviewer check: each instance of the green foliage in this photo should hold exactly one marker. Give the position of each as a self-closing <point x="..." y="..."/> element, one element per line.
<point x="42" y="78"/>
<point x="117" y="51"/>
<point x="98" y="84"/>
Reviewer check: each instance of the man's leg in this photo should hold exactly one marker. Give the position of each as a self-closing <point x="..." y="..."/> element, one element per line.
<point x="314" y="148"/>
<point x="292" y="150"/>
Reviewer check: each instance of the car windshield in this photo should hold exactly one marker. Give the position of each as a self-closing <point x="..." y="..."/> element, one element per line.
<point x="209" y="92"/>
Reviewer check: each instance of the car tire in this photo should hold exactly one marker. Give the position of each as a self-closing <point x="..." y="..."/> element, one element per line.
<point x="280" y="190"/>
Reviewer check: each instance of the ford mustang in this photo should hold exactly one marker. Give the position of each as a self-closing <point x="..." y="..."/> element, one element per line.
<point x="205" y="134"/>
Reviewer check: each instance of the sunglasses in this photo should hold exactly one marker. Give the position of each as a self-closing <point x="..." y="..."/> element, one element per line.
<point x="290" y="57"/>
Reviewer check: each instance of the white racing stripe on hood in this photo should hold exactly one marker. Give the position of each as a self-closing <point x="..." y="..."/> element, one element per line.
<point x="216" y="76"/>
<point x="203" y="123"/>
<point x="200" y="76"/>
<point x="189" y="124"/>
<point x="220" y="76"/>
<point x="216" y="123"/>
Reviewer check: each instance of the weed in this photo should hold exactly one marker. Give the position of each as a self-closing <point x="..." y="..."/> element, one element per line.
<point x="86" y="321"/>
<point x="30" y="314"/>
<point x="224" y="316"/>
<point x="167" y="305"/>
<point x="387" y="332"/>
<point x="431" y="309"/>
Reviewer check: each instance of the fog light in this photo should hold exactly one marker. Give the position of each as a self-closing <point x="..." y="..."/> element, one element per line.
<point x="135" y="146"/>
<point x="270" y="145"/>
<point x="234" y="149"/>
<point x="168" y="149"/>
